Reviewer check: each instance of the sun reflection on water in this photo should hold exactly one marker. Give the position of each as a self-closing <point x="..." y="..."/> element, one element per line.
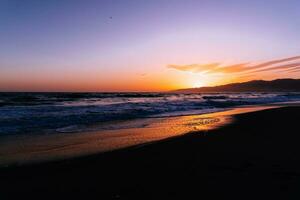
<point x="27" y="149"/>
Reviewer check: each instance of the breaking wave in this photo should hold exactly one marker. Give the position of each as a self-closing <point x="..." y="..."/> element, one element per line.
<point x="30" y="113"/>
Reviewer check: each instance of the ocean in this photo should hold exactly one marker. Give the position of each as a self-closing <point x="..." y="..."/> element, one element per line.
<point x="50" y="113"/>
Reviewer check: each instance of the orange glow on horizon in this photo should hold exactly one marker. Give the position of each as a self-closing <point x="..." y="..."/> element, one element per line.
<point x="169" y="78"/>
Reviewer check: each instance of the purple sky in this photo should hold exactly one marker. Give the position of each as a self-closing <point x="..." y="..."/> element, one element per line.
<point x="120" y="45"/>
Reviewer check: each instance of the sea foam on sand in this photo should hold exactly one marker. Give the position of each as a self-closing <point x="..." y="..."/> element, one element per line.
<point x="22" y="149"/>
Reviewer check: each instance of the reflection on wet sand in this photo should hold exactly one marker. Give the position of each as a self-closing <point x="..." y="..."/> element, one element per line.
<point x="16" y="150"/>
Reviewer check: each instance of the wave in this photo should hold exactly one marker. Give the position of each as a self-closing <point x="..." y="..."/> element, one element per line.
<point x="215" y="97"/>
<point x="29" y="99"/>
<point x="47" y="113"/>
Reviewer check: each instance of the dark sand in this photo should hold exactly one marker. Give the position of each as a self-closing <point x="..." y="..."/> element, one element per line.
<point x="258" y="156"/>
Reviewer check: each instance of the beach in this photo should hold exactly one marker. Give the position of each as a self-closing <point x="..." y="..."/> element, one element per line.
<point x="19" y="150"/>
<point x="255" y="156"/>
<point x="157" y="99"/>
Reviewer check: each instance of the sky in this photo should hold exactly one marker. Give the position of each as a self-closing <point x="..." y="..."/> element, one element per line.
<point x="145" y="45"/>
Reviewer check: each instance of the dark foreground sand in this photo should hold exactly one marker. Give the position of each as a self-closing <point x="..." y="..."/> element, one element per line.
<point x="258" y="157"/>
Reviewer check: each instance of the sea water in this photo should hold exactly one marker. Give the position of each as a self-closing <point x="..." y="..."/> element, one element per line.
<point x="49" y="113"/>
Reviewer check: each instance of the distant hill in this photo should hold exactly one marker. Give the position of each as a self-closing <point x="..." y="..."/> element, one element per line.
<point x="278" y="85"/>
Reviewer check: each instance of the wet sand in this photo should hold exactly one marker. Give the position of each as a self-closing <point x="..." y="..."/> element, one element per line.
<point x="256" y="156"/>
<point x="28" y="149"/>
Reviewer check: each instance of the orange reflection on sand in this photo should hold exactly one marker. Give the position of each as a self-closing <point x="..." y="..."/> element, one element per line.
<point x="27" y="149"/>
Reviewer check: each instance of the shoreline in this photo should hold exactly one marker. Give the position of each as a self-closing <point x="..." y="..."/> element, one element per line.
<point x="23" y="150"/>
<point x="256" y="156"/>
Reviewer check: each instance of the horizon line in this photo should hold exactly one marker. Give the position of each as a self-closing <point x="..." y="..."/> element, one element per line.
<point x="142" y="91"/>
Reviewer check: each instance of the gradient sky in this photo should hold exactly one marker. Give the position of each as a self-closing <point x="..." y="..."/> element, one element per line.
<point x="139" y="45"/>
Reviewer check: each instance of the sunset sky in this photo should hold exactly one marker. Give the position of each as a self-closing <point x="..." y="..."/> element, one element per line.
<point x="145" y="45"/>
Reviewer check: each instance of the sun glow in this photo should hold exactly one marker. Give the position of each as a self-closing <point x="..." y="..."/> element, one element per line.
<point x="198" y="84"/>
<point x="195" y="80"/>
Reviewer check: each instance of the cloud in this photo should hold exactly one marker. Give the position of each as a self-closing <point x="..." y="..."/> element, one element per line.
<point x="230" y="69"/>
<point x="195" y="67"/>
<point x="293" y="70"/>
<point x="242" y="68"/>
<point x="280" y="67"/>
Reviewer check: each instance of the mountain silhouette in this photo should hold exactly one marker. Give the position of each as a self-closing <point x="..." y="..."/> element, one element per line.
<point x="278" y="85"/>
